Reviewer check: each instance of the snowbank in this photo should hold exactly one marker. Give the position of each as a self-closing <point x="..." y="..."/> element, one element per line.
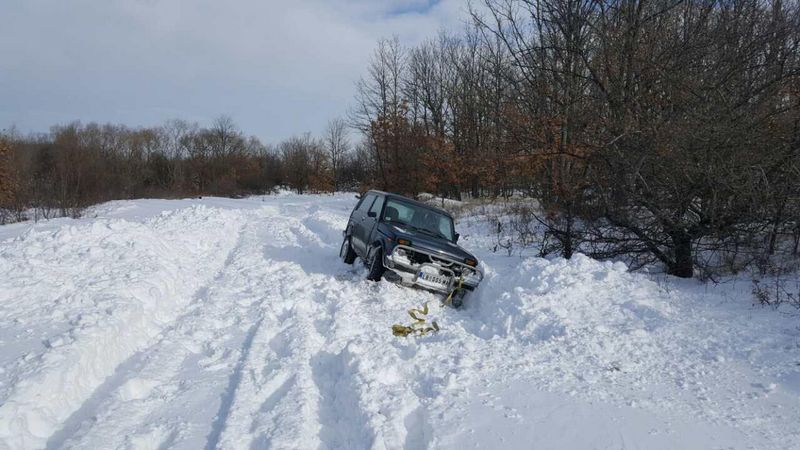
<point x="588" y="319"/>
<point x="440" y="202"/>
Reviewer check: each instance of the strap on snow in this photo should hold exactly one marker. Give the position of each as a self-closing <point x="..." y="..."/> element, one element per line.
<point x="418" y="326"/>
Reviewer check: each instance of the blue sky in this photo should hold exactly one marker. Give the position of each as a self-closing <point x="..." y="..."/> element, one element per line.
<point x="278" y="68"/>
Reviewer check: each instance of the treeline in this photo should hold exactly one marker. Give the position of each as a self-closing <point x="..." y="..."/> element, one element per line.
<point x="665" y="131"/>
<point x="661" y="131"/>
<point x="74" y="166"/>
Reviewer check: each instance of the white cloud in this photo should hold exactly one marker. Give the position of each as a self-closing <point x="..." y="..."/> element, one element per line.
<point x="277" y="67"/>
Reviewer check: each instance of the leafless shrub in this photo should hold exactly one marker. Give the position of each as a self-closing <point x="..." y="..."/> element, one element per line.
<point x="777" y="290"/>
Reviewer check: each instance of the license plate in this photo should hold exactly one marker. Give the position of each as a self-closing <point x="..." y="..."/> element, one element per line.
<point x="433" y="278"/>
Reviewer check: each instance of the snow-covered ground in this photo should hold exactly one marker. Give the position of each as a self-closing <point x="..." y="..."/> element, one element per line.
<point x="221" y="323"/>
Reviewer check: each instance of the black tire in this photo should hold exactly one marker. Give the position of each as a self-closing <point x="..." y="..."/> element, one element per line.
<point x="346" y="252"/>
<point x="375" y="265"/>
<point x="458" y="298"/>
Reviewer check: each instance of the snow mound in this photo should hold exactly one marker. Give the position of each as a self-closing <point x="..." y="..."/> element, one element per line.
<point x="578" y="322"/>
<point x="565" y="299"/>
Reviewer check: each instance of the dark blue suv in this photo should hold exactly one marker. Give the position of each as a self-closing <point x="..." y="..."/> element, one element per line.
<point x="410" y="243"/>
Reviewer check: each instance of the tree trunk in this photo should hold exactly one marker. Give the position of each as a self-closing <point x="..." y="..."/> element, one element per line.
<point x="683" y="263"/>
<point x="566" y="240"/>
<point x="773" y="235"/>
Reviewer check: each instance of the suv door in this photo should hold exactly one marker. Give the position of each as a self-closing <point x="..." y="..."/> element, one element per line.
<point x="373" y="216"/>
<point x="358" y="218"/>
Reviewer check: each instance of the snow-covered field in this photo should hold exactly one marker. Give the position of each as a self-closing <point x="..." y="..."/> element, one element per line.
<point x="220" y="323"/>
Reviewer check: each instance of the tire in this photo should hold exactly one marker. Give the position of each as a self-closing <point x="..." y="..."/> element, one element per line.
<point x="346" y="252"/>
<point x="458" y="298"/>
<point x="375" y="265"/>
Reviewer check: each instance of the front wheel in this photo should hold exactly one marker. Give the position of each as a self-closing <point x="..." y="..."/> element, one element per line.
<point x="375" y="265"/>
<point x="346" y="252"/>
<point x="457" y="297"/>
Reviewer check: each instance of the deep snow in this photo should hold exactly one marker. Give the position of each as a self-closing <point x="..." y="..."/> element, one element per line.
<point x="218" y="323"/>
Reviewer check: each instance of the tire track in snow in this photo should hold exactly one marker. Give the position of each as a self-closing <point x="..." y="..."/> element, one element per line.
<point x="291" y="381"/>
<point x="344" y="423"/>
<point x="205" y="332"/>
<point x="276" y="402"/>
<point x="366" y="405"/>
<point x="298" y="392"/>
<point x="130" y="311"/>
<point x="233" y="384"/>
<point x="129" y="368"/>
<point x="418" y="429"/>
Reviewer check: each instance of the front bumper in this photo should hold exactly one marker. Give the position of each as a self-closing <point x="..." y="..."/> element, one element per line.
<point x="438" y="275"/>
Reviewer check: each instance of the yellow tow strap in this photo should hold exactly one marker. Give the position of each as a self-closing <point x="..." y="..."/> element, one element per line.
<point x="418" y="326"/>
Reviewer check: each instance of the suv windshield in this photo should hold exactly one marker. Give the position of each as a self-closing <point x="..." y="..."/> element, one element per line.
<point x="419" y="219"/>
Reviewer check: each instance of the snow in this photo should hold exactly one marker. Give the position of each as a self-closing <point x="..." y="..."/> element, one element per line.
<point x="219" y="323"/>
<point x="439" y="201"/>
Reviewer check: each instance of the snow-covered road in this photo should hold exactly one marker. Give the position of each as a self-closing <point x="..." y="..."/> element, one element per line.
<point x="221" y="323"/>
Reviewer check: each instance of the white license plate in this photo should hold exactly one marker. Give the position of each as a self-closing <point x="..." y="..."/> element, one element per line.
<point x="433" y="278"/>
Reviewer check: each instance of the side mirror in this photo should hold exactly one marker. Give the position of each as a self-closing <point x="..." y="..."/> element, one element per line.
<point x="358" y="196"/>
<point x="372" y="214"/>
<point x="456" y="237"/>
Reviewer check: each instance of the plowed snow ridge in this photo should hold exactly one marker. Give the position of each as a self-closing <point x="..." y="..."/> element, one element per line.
<point x="220" y="323"/>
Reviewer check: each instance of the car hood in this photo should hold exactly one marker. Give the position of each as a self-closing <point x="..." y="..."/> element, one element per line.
<point x="427" y="242"/>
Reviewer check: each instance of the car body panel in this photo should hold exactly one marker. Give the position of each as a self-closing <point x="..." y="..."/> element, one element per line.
<point x="357" y="226"/>
<point x="425" y="241"/>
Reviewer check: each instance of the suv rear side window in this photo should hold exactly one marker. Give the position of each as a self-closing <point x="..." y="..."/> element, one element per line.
<point x="376" y="207"/>
<point x="366" y="202"/>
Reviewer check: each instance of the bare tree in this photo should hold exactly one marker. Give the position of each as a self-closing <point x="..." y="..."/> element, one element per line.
<point x="304" y="163"/>
<point x="337" y="145"/>
<point x="379" y="97"/>
<point x="8" y="182"/>
<point x="672" y="116"/>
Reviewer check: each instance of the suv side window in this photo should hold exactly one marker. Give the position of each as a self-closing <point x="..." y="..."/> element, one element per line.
<point x="366" y="203"/>
<point x="376" y="207"/>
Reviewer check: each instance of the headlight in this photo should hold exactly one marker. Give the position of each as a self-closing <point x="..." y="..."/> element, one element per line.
<point x="401" y="256"/>
<point x="471" y="277"/>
